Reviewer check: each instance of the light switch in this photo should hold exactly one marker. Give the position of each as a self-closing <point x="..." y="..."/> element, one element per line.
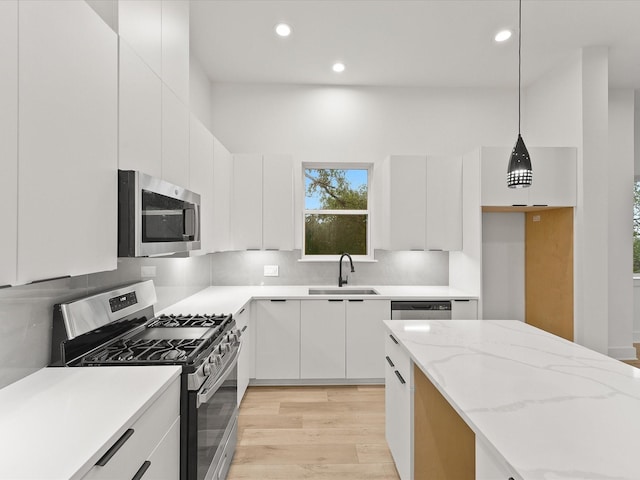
<point x="271" y="270"/>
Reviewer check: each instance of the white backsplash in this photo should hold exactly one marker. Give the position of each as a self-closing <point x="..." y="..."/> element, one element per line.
<point x="26" y="311"/>
<point x="390" y="268"/>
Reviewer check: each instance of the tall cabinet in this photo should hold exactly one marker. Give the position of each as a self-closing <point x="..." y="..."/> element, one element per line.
<point x="67" y="101"/>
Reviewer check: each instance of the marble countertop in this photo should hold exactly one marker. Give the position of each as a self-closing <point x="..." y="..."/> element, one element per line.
<point x="233" y="299"/>
<point x="550" y="408"/>
<point x="57" y="422"/>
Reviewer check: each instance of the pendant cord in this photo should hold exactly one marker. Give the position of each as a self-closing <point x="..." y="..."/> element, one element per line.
<point x="519" y="58"/>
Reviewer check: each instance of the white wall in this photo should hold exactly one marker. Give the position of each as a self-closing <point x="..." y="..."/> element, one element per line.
<point x="359" y="124"/>
<point x="621" y="170"/>
<point x="503" y="266"/>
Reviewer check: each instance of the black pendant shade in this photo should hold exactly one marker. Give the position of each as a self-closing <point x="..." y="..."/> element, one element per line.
<point x="519" y="173"/>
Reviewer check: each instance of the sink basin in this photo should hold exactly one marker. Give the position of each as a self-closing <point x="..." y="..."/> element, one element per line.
<point x="342" y="291"/>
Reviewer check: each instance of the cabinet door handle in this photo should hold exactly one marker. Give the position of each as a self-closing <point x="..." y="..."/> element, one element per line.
<point x="394" y="340"/>
<point x="460" y="300"/>
<point x="114" y="448"/>
<point x="243" y="329"/>
<point x="356" y="299"/>
<point x="389" y="361"/>
<point x="241" y="312"/>
<point x="142" y="470"/>
<point x="334" y="300"/>
<point x="399" y="377"/>
<point x="278" y="299"/>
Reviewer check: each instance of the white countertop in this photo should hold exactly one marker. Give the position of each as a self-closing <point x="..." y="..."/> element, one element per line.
<point x="551" y="408"/>
<point x="57" y="422"/>
<point x="232" y="299"/>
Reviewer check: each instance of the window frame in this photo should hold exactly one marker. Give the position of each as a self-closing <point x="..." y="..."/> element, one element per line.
<point x="368" y="212"/>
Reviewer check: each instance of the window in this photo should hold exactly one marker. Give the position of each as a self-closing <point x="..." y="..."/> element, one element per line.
<point x="336" y="210"/>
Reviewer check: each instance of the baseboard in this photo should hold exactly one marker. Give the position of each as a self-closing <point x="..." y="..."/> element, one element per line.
<point x="623" y="353"/>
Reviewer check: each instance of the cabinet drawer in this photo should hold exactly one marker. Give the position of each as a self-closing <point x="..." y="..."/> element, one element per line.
<point x="136" y="447"/>
<point x="396" y="358"/>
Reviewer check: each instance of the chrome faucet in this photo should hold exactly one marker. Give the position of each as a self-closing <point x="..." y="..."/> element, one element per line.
<point x="342" y="282"/>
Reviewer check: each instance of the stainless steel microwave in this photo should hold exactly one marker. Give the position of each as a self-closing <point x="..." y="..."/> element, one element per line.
<point x="155" y="217"/>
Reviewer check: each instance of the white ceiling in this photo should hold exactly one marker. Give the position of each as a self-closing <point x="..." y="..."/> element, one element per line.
<point x="410" y="42"/>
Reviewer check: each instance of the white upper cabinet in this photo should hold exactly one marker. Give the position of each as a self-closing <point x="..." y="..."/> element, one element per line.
<point x="222" y="178"/>
<point x="140" y="125"/>
<point x="175" y="47"/>
<point x="140" y="25"/>
<point x="554" y="178"/>
<point x="444" y="203"/>
<point x="262" y="202"/>
<point x="201" y="179"/>
<point x="68" y="104"/>
<point x="9" y="139"/>
<point x="408" y="209"/>
<point x="175" y="139"/>
<point x="277" y="202"/>
<point x="425" y="203"/>
<point x="246" y="219"/>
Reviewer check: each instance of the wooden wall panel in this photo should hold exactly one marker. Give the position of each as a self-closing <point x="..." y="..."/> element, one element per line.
<point x="444" y="446"/>
<point x="549" y="271"/>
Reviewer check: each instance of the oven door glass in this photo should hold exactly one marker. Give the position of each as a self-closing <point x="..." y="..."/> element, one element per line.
<point x="166" y="219"/>
<point x="215" y="418"/>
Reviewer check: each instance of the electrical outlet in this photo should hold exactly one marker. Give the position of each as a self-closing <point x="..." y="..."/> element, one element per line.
<point x="148" y="271"/>
<point x="271" y="270"/>
<point x="536" y="218"/>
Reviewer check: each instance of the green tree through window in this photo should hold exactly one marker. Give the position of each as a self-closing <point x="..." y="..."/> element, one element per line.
<point x="336" y="216"/>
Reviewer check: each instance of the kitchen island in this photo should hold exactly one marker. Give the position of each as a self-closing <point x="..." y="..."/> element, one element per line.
<point x="537" y="406"/>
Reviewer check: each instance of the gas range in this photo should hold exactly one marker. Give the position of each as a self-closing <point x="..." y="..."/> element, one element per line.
<point x="119" y="328"/>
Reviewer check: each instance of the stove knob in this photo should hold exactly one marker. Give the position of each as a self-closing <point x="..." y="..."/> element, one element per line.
<point x="226" y="347"/>
<point x="206" y="369"/>
<point x="218" y="360"/>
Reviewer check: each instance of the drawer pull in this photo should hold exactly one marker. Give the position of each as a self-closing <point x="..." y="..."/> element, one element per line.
<point x="115" y="447"/>
<point x="394" y="340"/>
<point x="244" y="328"/>
<point x="241" y="312"/>
<point x="142" y="470"/>
<point x="399" y="377"/>
<point x="389" y="361"/>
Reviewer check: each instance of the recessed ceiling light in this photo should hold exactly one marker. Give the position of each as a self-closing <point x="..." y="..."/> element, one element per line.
<point x="338" y="67"/>
<point x="283" y="30"/>
<point x="503" y="35"/>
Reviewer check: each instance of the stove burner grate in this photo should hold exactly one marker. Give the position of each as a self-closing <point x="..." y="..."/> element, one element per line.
<point x="146" y="350"/>
<point x="188" y="320"/>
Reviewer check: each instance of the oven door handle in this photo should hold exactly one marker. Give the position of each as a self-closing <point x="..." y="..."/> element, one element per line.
<point x="209" y="388"/>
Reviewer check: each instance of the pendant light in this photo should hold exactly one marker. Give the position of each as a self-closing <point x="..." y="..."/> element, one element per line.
<point x="519" y="173"/>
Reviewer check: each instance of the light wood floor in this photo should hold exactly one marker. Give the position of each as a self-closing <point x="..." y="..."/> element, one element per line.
<point x="324" y="433"/>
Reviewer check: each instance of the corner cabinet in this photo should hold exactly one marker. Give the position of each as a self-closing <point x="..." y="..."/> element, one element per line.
<point x="425" y="203"/>
<point x="9" y="139"/>
<point x="262" y="202"/>
<point x="554" y="178"/>
<point x="68" y="142"/>
<point x="277" y="339"/>
<point x="464" y="309"/>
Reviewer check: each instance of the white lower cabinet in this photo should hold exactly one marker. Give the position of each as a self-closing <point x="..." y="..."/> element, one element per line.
<point x="464" y="309"/>
<point x="277" y="339"/>
<point x="365" y="338"/>
<point x="399" y="406"/>
<point x="246" y="360"/>
<point x="322" y="339"/>
<point x="489" y="465"/>
<point x="153" y="438"/>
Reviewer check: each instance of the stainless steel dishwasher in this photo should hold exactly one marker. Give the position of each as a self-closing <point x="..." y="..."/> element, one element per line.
<point x="421" y="310"/>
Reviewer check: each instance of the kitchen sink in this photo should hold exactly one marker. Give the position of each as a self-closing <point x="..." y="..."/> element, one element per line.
<point x="342" y="291"/>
